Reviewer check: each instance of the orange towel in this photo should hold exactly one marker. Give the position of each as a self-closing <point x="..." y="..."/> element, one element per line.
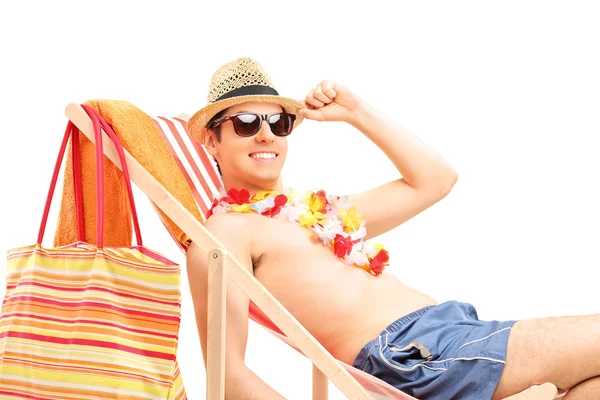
<point x="139" y="136"/>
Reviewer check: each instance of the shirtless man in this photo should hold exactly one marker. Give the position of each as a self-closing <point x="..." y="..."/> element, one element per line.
<point x="447" y="352"/>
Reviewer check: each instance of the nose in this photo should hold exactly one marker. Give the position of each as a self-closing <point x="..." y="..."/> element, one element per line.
<point x="264" y="134"/>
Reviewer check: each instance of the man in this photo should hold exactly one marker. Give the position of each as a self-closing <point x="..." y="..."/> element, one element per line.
<point x="428" y="350"/>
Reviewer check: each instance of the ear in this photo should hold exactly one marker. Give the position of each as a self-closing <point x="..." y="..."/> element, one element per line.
<point x="210" y="142"/>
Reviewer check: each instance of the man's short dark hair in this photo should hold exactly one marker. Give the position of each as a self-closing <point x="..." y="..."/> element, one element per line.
<point x="217" y="131"/>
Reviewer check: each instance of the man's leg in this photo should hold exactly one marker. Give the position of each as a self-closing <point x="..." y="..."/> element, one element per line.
<point x="588" y="390"/>
<point x="562" y="350"/>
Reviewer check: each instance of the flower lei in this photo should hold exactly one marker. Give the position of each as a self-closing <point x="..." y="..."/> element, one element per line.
<point x="335" y="223"/>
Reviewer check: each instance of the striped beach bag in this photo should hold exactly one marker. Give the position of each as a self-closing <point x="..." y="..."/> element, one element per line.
<point x="88" y="321"/>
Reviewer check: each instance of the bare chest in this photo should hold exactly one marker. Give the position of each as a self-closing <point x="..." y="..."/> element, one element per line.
<point x="299" y="270"/>
<point x="279" y="245"/>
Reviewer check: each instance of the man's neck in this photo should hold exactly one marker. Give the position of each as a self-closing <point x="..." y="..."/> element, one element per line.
<point x="277" y="186"/>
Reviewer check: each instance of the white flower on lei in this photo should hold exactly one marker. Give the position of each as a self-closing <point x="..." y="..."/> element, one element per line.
<point x="369" y="250"/>
<point x="329" y="230"/>
<point x="356" y="256"/>
<point x="263" y="205"/>
<point x="292" y="212"/>
<point x="361" y="232"/>
<point x="295" y="196"/>
<point x="221" y="209"/>
<point x="335" y="205"/>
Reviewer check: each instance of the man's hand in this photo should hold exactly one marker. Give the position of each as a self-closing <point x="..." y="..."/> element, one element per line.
<point x="331" y="102"/>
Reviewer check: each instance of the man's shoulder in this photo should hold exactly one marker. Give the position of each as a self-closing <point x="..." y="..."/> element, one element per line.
<point x="233" y="227"/>
<point x="230" y="229"/>
<point x="227" y="222"/>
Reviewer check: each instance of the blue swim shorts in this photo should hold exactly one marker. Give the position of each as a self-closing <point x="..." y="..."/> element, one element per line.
<point x="439" y="352"/>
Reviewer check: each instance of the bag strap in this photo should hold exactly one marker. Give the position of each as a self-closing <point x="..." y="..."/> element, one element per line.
<point x="72" y="131"/>
<point x="77" y="183"/>
<point x="61" y="153"/>
<point x="121" y="153"/>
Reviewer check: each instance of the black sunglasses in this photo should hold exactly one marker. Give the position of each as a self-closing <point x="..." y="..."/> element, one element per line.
<point x="248" y="124"/>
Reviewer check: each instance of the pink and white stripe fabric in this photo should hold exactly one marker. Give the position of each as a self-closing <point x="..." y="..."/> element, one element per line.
<point x="195" y="163"/>
<point x="193" y="160"/>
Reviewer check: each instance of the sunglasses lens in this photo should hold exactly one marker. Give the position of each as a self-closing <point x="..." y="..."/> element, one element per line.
<point x="281" y="124"/>
<point x="246" y="124"/>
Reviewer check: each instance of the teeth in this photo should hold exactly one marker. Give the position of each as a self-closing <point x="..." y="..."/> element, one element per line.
<point x="263" y="155"/>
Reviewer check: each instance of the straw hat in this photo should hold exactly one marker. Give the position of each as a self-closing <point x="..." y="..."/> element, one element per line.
<point x="236" y="82"/>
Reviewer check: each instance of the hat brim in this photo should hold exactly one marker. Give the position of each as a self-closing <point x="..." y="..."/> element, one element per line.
<point x="197" y="123"/>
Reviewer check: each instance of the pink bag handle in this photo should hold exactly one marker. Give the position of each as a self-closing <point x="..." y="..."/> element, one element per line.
<point x="71" y="130"/>
<point x="77" y="183"/>
<point x="98" y="121"/>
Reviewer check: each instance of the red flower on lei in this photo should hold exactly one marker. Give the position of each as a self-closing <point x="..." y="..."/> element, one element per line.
<point x="237" y="196"/>
<point x="234" y="196"/>
<point x="280" y="201"/>
<point x="212" y="207"/>
<point x="342" y="246"/>
<point x="379" y="262"/>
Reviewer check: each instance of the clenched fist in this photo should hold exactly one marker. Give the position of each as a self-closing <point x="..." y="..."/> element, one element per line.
<point x="330" y="101"/>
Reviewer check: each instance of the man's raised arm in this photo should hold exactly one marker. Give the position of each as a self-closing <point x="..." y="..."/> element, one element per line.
<point x="240" y="382"/>
<point x="426" y="177"/>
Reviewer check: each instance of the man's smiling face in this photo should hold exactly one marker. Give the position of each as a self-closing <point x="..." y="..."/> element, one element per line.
<point x="249" y="162"/>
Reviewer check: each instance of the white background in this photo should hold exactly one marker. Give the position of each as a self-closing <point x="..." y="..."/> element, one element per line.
<point x="507" y="92"/>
